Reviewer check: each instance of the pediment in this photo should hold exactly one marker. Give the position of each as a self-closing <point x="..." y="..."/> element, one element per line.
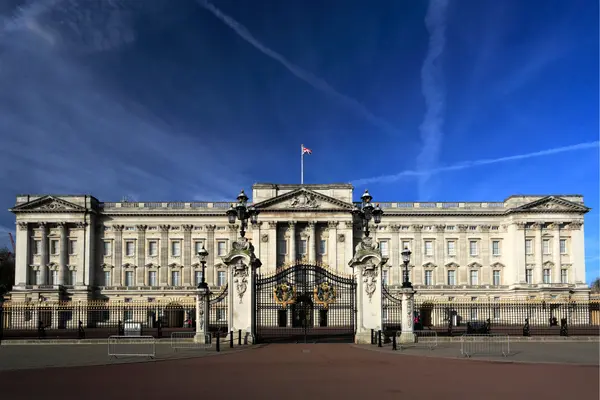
<point x="474" y="265"/>
<point x="497" y="265"/>
<point x="452" y="265"/>
<point x="303" y="199"/>
<point x="175" y="265"/>
<point x="429" y="265"/>
<point x="48" y="204"/>
<point x="152" y="265"/>
<point x="552" y="204"/>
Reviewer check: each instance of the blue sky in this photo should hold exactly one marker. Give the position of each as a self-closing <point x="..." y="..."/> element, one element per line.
<point x="188" y="100"/>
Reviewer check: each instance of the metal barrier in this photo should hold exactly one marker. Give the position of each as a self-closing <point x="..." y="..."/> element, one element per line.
<point x="490" y="344"/>
<point x="425" y="338"/>
<point x="185" y="340"/>
<point x="131" y="346"/>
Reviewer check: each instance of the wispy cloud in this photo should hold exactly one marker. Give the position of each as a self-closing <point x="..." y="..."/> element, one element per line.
<point x="473" y="164"/>
<point x="432" y="84"/>
<point x="63" y="132"/>
<point x="314" y="81"/>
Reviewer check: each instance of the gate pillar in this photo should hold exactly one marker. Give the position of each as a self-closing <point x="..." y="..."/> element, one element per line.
<point x="202" y="316"/>
<point x="241" y="264"/>
<point x="408" y="305"/>
<point x="367" y="264"/>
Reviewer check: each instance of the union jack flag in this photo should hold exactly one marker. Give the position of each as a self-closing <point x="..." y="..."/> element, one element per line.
<point x="306" y="150"/>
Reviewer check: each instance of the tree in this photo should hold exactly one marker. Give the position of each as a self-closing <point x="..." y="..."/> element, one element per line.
<point x="7" y="271"/>
<point x="596" y="285"/>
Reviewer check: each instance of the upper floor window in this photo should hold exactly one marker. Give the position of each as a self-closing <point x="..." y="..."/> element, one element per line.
<point x="546" y="246"/>
<point x="452" y="277"/>
<point x="473" y="250"/>
<point x="282" y="246"/>
<point x="495" y="247"/>
<point x="384" y="277"/>
<point x="428" y="248"/>
<point x="72" y="246"/>
<point x="175" y="278"/>
<point x="176" y="248"/>
<point x="153" y="248"/>
<point x="198" y="246"/>
<point x="322" y="246"/>
<point x="546" y="275"/>
<point x="107" y="280"/>
<point x="302" y="248"/>
<point x="221" y="248"/>
<point x="529" y="276"/>
<point x="564" y="276"/>
<point x="563" y="246"/>
<point x="107" y="248"/>
<point x="130" y="248"/>
<point x="451" y="248"/>
<point x="54" y="247"/>
<point x="428" y="277"/>
<point x="528" y="246"/>
<point x="405" y="245"/>
<point x="474" y="277"/>
<point x="384" y="247"/>
<point x="496" y="278"/>
<point x="221" y="278"/>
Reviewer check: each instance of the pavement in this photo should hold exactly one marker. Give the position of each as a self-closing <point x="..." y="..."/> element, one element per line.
<point x="576" y="353"/>
<point x="305" y="371"/>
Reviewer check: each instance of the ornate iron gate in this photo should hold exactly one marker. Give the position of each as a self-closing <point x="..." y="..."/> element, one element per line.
<point x="391" y="310"/>
<point x="305" y="303"/>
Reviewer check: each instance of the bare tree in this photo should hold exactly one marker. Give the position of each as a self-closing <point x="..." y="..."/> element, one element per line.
<point x="596" y="285"/>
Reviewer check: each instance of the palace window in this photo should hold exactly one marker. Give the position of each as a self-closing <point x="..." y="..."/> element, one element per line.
<point x="152" y="278"/>
<point x="153" y="248"/>
<point x="198" y="246"/>
<point x="495" y="247"/>
<point x="107" y="281"/>
<point x="563" y="246"/>
<point x="564" y="276"/>
<point x="474" y="277"/>
<point x="451" y="248"/>
<point x="221" y="279"/>
<point x="546" y="275"/>
<point x="130" y="248"/>
<point x="428" y="248"/>
<point x="72" y="246"/>
<point x="405" y="245"/>
<point x="54" y="247"/>
<point x="129" y="278"/>
<point x="428" y="278"/>
<point x="546" y="246"/>
<point x="301" y="248"/>
<point x="107" y="248"/>
<point x="452" y="278"/>
<point x="384" y="277"/>
<point x="282" y="246"/>
<point x="221" y="248"/>
<point x="198" y="277"/>
<point x="175" y="278"/>
<point x="473" y="250"/>
<point x="36" y="247"/>
<point x="528" y="246"/>
<point x="529" y="276"/>
<point x="322" y="247"/>
<point x="496" y="278"/>
<point x="384" y="247"/>
<point x="176" y="248"/>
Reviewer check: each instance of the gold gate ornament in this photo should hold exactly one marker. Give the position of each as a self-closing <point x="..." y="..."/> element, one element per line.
<point x="325" y="294"/>
<point x="284" y="294"/>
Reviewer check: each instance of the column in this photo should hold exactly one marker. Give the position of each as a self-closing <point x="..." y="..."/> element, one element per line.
<point x="462" y="247"/>
<point x="210" y="247"/>
<point x="271" y="259"/>
<point x="141" y="255"/>
<point x="163" y="279"/>
<point x="416" y="255"/>
<point x="515" y="252"/>
<point x="332" y="246"/>
<point x="44" y="254"/>
<point x="555" y="274"/>
<point x="484" y="248"/>
<point x="395" y="249"/>
<point x="292" y="243"/>
<point x="312" y="242"/>
<point x="81" y="240"/>
<point x="22" y="254"/>
<point x="187" y="255"/>
<point x="118" y="249"/>
<point x="257" y="239"/>
<point x="348" y="245"/>
<point x="577" y="252"/>
<point x="90" y="259"/>
<point x="538" y="272"/>
<point x="440" y="256"/>
<point x="64" y="251"/>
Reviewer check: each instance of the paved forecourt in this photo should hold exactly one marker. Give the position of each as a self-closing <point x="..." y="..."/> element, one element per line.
<point x="300" y="371"/>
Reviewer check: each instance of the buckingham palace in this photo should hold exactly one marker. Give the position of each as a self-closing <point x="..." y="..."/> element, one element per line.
<point x="75" y="247"/>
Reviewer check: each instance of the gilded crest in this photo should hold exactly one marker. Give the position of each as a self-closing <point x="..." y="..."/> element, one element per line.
<point x="284" y="294"/>
<point x="325" y="294"/>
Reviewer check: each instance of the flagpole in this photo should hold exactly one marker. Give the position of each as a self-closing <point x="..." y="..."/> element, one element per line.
<point x="302" y="164"/>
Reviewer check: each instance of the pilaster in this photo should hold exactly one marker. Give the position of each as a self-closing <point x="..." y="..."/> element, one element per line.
<point x="538" y="273"/>
<point x="332" y="246"/>
<point x="555" y="273"/>
<point x="462" y="247"/>
<point x="64" y="251"/>
<point x="484" y="248"/>
<point x="141" y="273"/>
<point x="577" y="251"/>
<point x="292" y="243"/>
<point x="211" y="273"/>
<point x="417" y="253"/>
<point x="517" y="235"/>
<point x="440" y="254"/>
<point x="43" y="254"/>
<point x="348" y="242"/>
<point x="395" y="249"/>
<point x="163" y="272"/>
<point x="272" y="244"/>
<point x="83" y="249"/>
<point x="22" y="254"/>
<point x="187" y="255"/>
<point x="118" y="249"/>
<point x="312" y="242"/>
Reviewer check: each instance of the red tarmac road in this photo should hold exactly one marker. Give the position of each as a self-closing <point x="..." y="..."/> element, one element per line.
<point x="299" y="371"/>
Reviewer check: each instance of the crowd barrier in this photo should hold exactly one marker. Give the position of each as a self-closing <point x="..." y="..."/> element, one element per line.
<point x="425" y="338"/>
<point x="131" y="346"/>
<point x="185" y="341"/>
<point x="485" y="344"/>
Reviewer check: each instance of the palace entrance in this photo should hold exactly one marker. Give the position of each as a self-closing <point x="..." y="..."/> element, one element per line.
<point x="305" y="303"/>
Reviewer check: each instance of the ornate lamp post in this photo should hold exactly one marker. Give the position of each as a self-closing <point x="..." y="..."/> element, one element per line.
<point x="406" y="259"/>
<point x="366" y="211"/>
<point x="242" y="212"/>
<point x="203" y="256"/>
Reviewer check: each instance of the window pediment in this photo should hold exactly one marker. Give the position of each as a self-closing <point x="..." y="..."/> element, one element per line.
<point x="429" y="265"/>
<point x="452" y="265"/>
<point x="497" y="265"/>
<point x="474" y="265"/>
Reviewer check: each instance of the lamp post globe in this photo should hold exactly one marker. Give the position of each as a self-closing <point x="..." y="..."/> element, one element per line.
<point x="367" y="211"/>
<point x="203" y="256"/>
<point x="242" y="212"/>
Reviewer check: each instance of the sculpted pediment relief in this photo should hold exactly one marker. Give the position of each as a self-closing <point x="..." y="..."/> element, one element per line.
<point x="48" y="204"/>
<point x="553" y="204"/>
<point x="303" y="199"/>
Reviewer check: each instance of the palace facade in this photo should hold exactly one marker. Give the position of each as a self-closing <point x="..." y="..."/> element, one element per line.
<point x="74" y="247"/>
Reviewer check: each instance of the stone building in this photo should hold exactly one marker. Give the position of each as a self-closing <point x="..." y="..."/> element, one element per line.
<point x="74" y="247"/>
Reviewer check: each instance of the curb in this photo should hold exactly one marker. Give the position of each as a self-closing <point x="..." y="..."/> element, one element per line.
<point x="43" y="342"/>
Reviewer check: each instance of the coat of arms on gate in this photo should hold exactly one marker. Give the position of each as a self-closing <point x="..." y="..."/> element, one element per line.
<point x="284" y="294"/>
<point x="325" y="294"/>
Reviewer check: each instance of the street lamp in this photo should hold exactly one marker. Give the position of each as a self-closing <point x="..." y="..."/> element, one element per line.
<point x="406" y="259"/>
<point x="366" y="211"/>
<point x="203" y="255"/>
<point x="242" y="212"/>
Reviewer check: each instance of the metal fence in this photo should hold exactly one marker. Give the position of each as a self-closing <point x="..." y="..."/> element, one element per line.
<point x="485" y="345"/>
<point x="131" y="346"/>
<point x="391" y="310"/>
<point x="522" y="318"/>
<point x="185" y="341"/>
<point x="101" y="319"/>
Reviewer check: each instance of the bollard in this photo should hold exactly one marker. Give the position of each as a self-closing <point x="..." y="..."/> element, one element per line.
<point x="394" y="342"/>
<point x="372" y="336"/>
<point x="231" y="339"/>
<point x="379" y="340"/>
<point x="218" y="336"/>
<point x="239" y="337"/>
<point x="80" y="331"/>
